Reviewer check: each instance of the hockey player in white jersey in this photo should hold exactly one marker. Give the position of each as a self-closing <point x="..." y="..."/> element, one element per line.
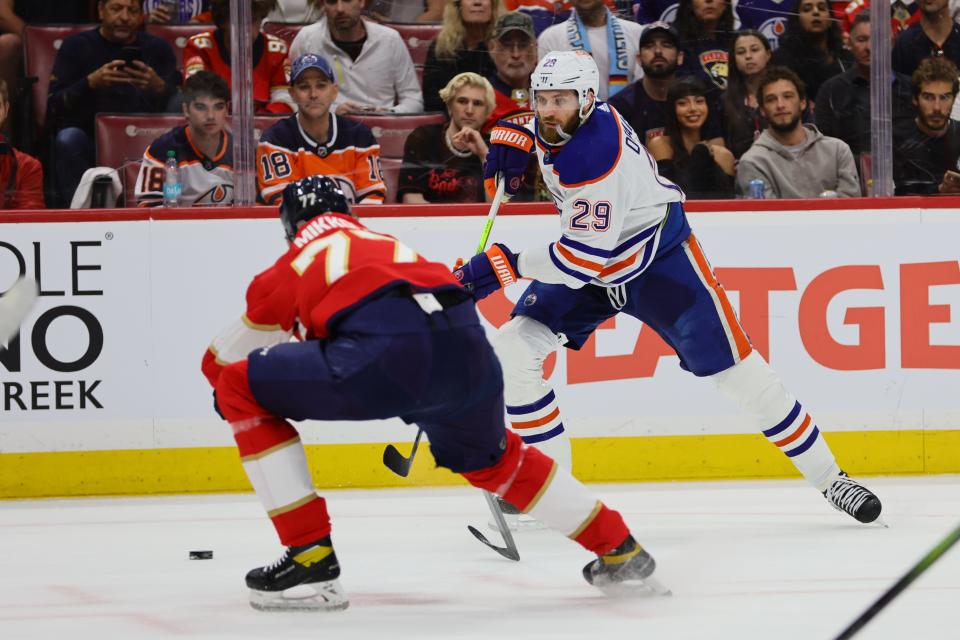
<point x="625" y="246"/>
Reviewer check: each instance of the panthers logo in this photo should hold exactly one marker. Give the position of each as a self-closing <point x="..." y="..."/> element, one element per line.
<point x="714" y="62"/>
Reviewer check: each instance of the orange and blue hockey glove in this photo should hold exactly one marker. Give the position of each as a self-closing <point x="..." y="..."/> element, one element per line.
<point x="509" y="154"/>
<point x="489" y="271"/>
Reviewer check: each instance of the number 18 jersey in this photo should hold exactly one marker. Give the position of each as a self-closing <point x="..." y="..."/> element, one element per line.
<point x="611" y="201"/>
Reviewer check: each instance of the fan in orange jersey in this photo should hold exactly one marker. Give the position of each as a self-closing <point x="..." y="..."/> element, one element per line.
<point x="316" y="141"/>
<point x="210" y="51"/>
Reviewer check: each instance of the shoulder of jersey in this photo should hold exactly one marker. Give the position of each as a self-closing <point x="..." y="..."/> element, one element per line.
<point x="593" y="152"/>
<point x="275" y="44"/>
<point x="353" y="133"/>
<point x="202" y="40"/>
<point x="284" y="133"/>
<point x="173" y="140"/>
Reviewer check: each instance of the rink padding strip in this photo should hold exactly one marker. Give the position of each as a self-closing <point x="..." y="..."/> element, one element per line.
<point x="628" y="459"/>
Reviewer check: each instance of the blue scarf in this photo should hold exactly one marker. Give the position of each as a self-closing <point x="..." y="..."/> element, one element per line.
<point x="616" y="48"/>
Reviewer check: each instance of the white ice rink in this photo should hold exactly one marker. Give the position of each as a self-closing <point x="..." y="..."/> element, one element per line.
<point x="746" y="560"/>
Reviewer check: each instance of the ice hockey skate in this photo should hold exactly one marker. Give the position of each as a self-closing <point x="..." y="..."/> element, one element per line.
<point x="626" y="570"/>
<point x="847" y="495"/>
<point x="516" y="520"/>
<point x="303" y="579"/>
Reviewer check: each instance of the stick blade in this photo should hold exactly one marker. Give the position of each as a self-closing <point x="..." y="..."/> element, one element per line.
<point x="509" y="554"/>
<point x="396" y="462"/>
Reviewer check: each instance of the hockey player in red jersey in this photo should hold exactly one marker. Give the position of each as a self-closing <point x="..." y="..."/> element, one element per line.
<point x="210" y="51"/>
<point x="384" y="333"/>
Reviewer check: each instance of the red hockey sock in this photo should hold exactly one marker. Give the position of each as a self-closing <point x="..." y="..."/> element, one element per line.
<point x="275" y="461"/>
<point x="535" y="484"/>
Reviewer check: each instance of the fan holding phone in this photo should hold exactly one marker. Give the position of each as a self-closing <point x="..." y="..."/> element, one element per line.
<point x="113" y="68"/>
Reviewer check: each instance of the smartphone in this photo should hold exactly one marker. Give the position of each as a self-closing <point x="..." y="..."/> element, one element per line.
<point x="129" y="54"/>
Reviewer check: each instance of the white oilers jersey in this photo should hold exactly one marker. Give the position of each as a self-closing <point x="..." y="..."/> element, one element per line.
<point x="611" y="201"/>
<point x="203" y="180"/>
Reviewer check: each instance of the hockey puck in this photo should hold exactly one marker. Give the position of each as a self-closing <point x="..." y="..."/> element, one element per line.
<point x="201" y="555"/>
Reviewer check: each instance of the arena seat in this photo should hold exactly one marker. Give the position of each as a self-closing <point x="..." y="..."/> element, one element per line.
<point x="40" y="46"/>
<point x="124" y="137"/>
<point x="417" y="37"/>
<point x="392" y="130"/>
<point x="390" y="170"/>
<point x="283" y="30"/>
<point x="176" y="35"/>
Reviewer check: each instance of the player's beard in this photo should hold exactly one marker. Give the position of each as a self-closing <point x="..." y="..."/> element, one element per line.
<point x="549" y="132"/>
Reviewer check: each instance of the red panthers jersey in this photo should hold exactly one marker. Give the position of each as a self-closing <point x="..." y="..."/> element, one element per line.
<point x="271" y="70"/>
<point x="332" y="266"/>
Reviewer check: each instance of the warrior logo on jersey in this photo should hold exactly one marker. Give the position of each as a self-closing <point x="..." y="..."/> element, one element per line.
<point x="714" y="62"/>
<point x="530" y="300"/>
<point x="772" y="29"/>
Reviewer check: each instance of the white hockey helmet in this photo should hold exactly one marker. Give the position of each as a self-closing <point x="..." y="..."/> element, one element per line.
<point x="563" y="70"/>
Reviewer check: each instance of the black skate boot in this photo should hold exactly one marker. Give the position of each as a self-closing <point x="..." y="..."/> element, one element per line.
<point x="626" y="569"/>
<point x="849" y="496"/>
<point x="303" y="579"/>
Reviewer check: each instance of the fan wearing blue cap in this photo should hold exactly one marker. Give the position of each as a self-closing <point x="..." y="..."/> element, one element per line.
<point x="316" y="141"/>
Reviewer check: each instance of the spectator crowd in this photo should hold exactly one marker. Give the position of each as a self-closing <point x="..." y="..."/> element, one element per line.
<point x="394" y="99"/>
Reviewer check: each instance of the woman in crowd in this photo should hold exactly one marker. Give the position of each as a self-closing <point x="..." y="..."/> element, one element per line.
<point x="743" y="122"/>
<point x="444" y="163"/>
<point x="701" y="169"/>
<point x="461" y="46"/>
<point x="812" y="45"/>
<point x="705" y="27"/>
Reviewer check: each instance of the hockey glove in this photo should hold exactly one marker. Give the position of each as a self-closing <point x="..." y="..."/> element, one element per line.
<point x="509" y="154"/>
<point x="486" y="272"/>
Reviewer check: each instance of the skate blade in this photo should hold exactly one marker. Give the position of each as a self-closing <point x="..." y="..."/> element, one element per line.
<point x="648" y="587"/>
<point x="319" y="596"/>
<point x="517" y="525"/>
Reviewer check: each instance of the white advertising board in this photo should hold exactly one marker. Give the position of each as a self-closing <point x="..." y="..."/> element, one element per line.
<point x="858" y="310"/>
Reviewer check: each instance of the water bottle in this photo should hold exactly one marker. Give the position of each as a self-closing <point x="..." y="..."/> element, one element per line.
<point x="172" y="187"/>
<point x="756" y="189"/>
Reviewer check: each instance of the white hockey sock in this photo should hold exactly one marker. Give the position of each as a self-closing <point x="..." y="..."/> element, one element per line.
<point x="522" y="344"/>
<point x="757" y="388"/>
<point x="538" y="423"/>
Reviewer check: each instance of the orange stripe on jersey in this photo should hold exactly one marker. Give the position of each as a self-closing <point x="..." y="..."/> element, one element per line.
<point x="739" y="337"/>
<point x="796" y="434"/>
<point x="530" y="424"/>
<point x="617" y="266"/>
<point x="580" y="262"/>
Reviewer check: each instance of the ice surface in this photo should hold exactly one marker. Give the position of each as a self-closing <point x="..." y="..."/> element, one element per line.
<point x="763" y="560"/>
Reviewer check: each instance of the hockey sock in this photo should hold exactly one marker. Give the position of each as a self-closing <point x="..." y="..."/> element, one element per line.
<point x="538" y="423"/>
<point x="522" y="345"/>
<point x="539" y="486"/>
<point x="275" y="461"/>
<point x="757" y="388"/>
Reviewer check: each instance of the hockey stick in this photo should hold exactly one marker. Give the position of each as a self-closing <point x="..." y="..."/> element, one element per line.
<point x="922" y="565"/>
<point x="392" y="458"/>
<point x="510" y="551"/>
<point x="14" y="307"/>
<point x="396" y="462"/>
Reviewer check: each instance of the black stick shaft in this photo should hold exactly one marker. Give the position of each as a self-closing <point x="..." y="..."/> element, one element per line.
<point x="925" y="562"/>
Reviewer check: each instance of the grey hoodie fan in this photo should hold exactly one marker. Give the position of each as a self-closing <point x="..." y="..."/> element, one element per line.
<point x="823" y="164"/>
